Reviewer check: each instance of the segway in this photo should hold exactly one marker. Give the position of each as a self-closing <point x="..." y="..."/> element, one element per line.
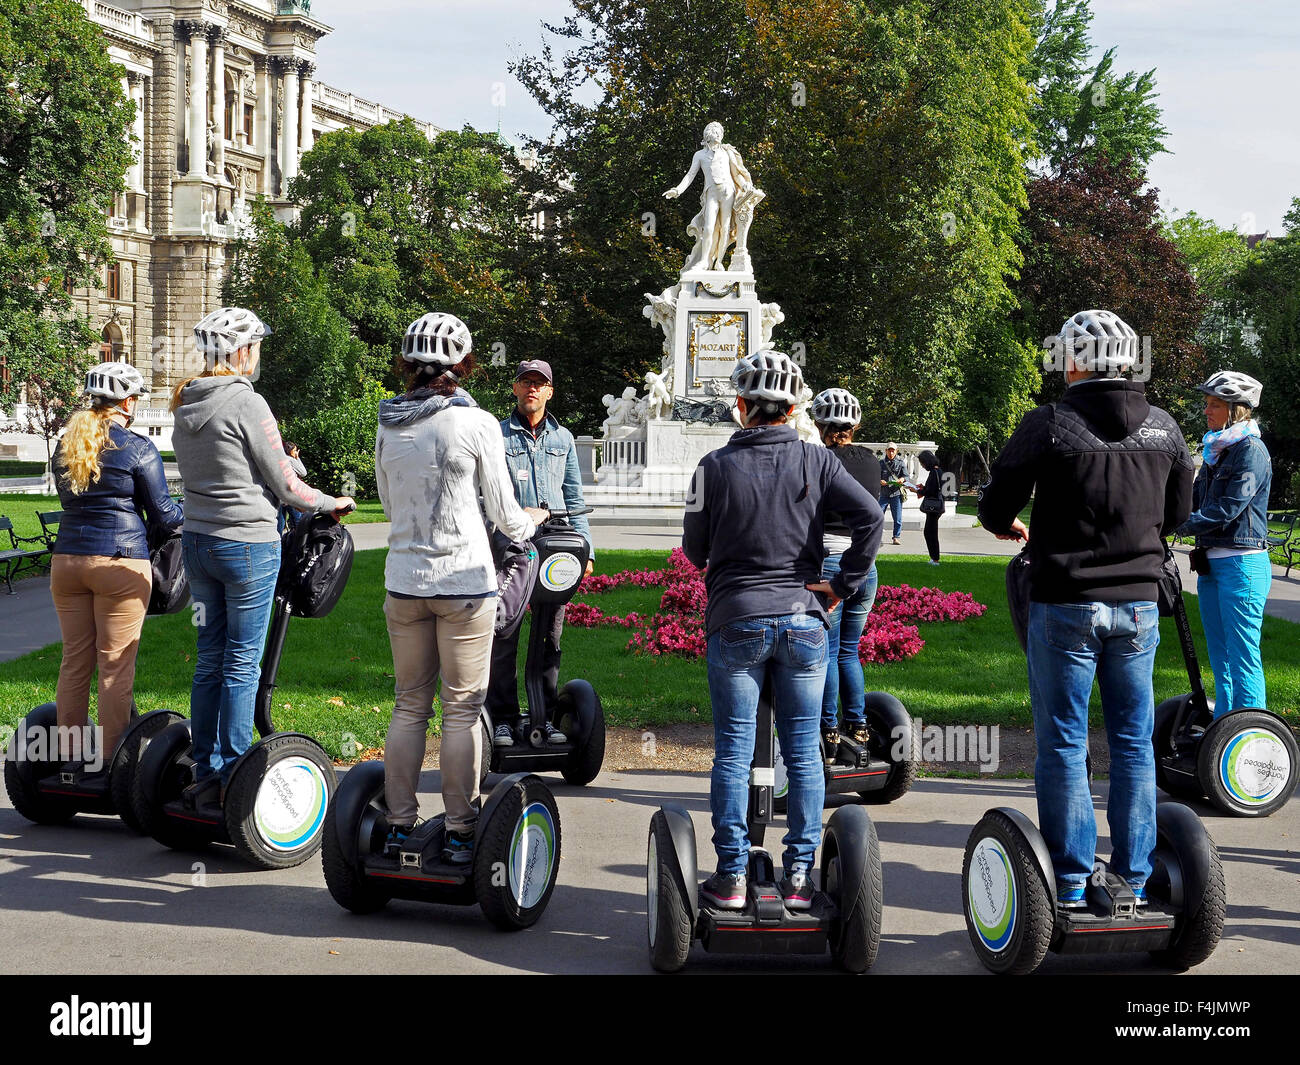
<point x="273" y="808"/>
<point x="845" y="913"/>
<point x="1009" y="897"/>
<point x="880" y="771"/>
<point x="562" y="554"/>
<point x="516" y="852"/>
<point x="1245" y="762"/>
<point x="47" y="791"/>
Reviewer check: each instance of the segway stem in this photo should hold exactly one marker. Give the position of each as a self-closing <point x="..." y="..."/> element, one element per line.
<point x="762" y="778"/>
<point x="279" y="629"/>
<point x="534" y="683"/>
<point x="1198" y="705"/>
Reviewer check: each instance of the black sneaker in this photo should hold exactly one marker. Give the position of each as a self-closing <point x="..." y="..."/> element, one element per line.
<point x="726" y="891"/>
<point x="503" y="736"/>
<point x="202" y="792"/>
<point x="797" y="890"/>
<point x="458" y="848"/>
<point x="554" y="737"/>
<point x="396" y="837"/>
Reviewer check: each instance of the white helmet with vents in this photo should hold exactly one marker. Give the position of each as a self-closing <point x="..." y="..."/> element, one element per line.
<point x="438" y="339"/>
<point x="1100" y="341"/>
<point x="228" y="329"/>
<point x="768" y="375"/>
<point x="836" y="406"/>
<point x="1233" y="387"/>
<point x="115" y="381"/>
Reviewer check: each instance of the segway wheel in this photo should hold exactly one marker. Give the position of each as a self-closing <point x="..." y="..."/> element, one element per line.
<point x="163" y="772"/>
<point x="851" y="876"/>
<point x="578" y="709"/>
<point x="885" y="745"/>
<point x="781" y="779"/>
<point x="1009" y="912"/>
<point x="1247" y="763"/>
<point x="127" y="760"/>
<point x="1178" y="785"/>
<point x="517" y="856"/>
<point x="22" y="773"/>
<point x="1187" y="875"/>
<point x="349" y="816"/>
<point x="668" y="919"/>
<point x="277" y="801"/>
<point x="485" y="756"/>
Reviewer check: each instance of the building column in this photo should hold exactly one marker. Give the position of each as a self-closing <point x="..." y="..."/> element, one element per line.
<point x="217" y="34"/>
<point x="237" y="112"/>
<point x="262" y="123"/>
<point x="136" y="173"/>
<point x="308" y="136"/>
<point x="289" y="129"/>
<point x="198" y="99"/>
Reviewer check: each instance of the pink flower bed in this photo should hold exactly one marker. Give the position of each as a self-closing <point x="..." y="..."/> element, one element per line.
<point x="677" y="628"/>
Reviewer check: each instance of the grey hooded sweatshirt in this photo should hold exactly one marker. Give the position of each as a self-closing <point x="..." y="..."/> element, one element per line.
<point x="233" y="464"/>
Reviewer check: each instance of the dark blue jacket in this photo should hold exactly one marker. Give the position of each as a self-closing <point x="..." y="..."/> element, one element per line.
<point x="109" y="517"/>
<point x="1230" y="498"/>
<point x="755" y="516"/>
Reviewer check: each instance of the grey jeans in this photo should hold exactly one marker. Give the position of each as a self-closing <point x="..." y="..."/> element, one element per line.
<point x="432" y="637"/>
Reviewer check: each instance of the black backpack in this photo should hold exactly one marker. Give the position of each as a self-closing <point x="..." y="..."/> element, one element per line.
<point x="516" y="566"/>
<point x="315" y="562"/>
<point x="1018" y="595"/>
<point x="171" y="587"/>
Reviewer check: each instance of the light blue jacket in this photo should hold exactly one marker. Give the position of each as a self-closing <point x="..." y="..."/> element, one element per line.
<point x="544" y="468"/>
<point x="1230" y="498"/>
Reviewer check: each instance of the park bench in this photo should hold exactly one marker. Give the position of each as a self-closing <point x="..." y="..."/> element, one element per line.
<point x="1284" y="539"/>
<point x="16" y="556"/>
<point x="49" y="520"/>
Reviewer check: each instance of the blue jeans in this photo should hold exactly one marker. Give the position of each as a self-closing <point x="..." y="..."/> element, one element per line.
<point x="1069" y="644"/>
<point x="233" y="584"/>
<point x="1232" y="597"/>
<point x="895" y="505"/>
<point x="844" y="670"/>
<point x="792" y="649"/>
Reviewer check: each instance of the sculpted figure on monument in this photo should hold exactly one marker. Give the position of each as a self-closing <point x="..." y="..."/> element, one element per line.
<point x="726" y="204"/>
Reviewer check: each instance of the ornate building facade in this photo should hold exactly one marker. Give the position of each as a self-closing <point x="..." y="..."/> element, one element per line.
<point x="227" y="101"/>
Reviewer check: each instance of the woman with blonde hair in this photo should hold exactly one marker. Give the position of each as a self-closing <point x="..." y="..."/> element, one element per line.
<point x="111" y="485"/>
<point x="234" y="467"/>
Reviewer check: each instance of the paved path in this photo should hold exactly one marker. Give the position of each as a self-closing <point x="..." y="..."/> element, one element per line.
<point x="28" y="621"/>
<point x="91" y="897"/>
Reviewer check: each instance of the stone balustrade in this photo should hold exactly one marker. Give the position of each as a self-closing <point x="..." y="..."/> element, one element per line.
<point x="128" y="22"/>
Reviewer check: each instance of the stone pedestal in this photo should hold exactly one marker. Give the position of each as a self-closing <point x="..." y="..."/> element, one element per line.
<point x="719" y="320"/>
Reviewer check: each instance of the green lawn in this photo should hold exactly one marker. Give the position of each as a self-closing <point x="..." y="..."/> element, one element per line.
<point x="21" y="510"/>
<point x="336" y="684"/>
<point x="367" y="513"/>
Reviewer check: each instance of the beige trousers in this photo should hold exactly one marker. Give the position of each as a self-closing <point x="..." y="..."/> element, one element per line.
<point x="101" y="603"/>
<point x="451" y="637"/>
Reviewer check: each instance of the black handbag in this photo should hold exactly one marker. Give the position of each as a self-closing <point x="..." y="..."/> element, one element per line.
<point x="932" y="505"/>
<point x="1169" y="585"/>
<point x="171" y="587"/>
<point x="1018" y="595"/>
<point x="315" y="562"/>
<point x="516" y="564"/>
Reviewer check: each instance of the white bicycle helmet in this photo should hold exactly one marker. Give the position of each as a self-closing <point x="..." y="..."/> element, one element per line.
<point x="768" y="375"/>
<point x="226" y="330"/>
<point x="836" y="406"/>
<point x="1100" y="341"/>
<point x="115" y="381"/>
<point x="1233" y="387"/>
<point x="437" y="338"/>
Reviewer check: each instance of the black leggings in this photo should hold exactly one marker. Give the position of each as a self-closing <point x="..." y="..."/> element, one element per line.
<point x="932" y="535"/>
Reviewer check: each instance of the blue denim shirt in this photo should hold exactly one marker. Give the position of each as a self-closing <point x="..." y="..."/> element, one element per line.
<point x="1230" y="498"/>
<point x="545" y="468"/>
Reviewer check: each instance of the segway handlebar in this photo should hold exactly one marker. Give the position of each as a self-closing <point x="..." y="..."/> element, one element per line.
<point x="565" y="515"/>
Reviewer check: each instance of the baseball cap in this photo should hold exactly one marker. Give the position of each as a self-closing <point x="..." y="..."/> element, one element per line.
<point x="537" y="366"/>
<point x="891" y="446"/>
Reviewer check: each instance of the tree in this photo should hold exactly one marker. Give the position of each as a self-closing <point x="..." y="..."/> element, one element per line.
<point x="1082" y="109"/>
<point x="888" y="140"/>
<point x="1093" y="239"/>
<point x="1214" y="256"/>
<point x="64" y="149"/>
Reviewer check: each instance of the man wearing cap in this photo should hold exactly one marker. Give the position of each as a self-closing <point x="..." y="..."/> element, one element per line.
<point x="892" y="475"/>
<point x="543" y="463"/>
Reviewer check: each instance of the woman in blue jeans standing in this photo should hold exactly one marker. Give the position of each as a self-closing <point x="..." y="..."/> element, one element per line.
<point x="1230" y="522"/>
<point x="837" y="414"/>
<point x="234" y="467"/>
<point x="754" y="517"/>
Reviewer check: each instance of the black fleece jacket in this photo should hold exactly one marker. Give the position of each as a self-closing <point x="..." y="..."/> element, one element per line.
<point x="1112" y="477"/>
<point x="755" y="516"/>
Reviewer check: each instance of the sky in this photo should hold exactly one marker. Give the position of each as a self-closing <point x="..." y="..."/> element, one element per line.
<point x="1228" y="75"/>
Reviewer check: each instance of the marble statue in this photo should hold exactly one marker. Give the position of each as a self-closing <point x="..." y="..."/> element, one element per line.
<point x="726" y="204"/>
<point x="620" y="410"/>
<point x="659" y="396"/>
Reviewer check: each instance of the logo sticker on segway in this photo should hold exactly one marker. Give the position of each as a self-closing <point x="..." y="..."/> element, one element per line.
<point x="1254" y="767"/>
<point x="561" y="572"/>
<point x="991" y="894"/>
<point x="532" y="855"/>
<point x="290" y="805"/>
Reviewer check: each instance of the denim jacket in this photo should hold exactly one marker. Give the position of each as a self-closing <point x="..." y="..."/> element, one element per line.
<point x="1230" y="498"/>
<point x="545" y="468"/>
<point x="108" y="518"/>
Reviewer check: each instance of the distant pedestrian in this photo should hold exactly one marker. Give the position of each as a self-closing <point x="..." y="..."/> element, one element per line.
<point x="932" y="505"/>
<point x="893" y="479"/>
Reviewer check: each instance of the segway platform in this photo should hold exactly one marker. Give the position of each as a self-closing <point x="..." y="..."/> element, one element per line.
<point x="765" y="926"/>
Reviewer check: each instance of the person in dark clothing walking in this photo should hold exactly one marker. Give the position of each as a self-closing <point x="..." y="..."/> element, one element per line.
<point x="1111" y="476"/>
<point x="754" y="516"/>
<point x="932" y="505"/>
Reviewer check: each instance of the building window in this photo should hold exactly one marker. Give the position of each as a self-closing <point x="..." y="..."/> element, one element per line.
<point x="248" y="123"/>
<point x="111" y="348"/>
<point x="114" y="281"/>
